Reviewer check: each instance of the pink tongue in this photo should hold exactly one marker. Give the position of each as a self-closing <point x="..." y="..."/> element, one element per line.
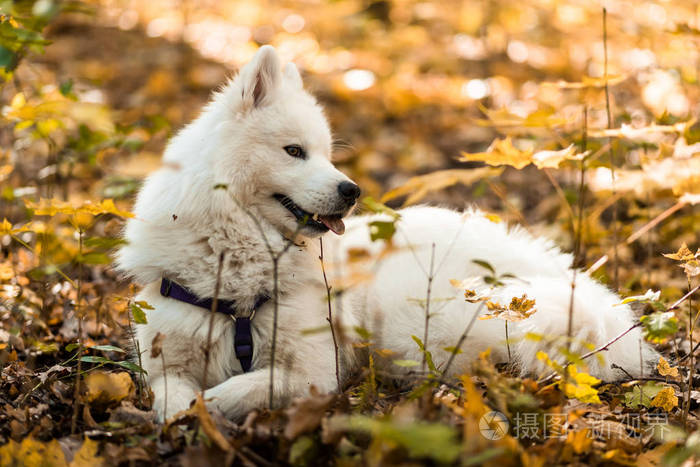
<point x="334" y="223"/>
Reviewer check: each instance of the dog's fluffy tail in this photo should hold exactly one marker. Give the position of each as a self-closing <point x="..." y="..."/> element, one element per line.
<point x="598" y="318"/>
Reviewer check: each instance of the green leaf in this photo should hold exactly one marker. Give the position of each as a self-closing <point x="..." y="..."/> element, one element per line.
<point x="380" y="208"/>
<point x="406" y="363"/>
<point x="95" y="359"/>
<point x="363" y="333"/>
<point x="434" y="441"/>
<point x="659" y="326"/>
<point x="72" y="347"/>
<point x="642" y="395"/>
<point x="302" y="451"/>
<point x="428" y="355"/>
<point x="66" y="87"/>
<point x="485" y="265"/>
<point x="94" y="258"/>
<point x="103" y="242"/>
<point x="130" y="366"/>
<point x="8" y="59"/>
<point x="108" y="348"/>
<point x="138" y="314"/>
<point x="144" y="304"/>
<point x="381" y="230"/>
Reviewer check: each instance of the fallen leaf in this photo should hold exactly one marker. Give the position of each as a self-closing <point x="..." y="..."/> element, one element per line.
<point x="107" y="388"/>
<point x="665" y="369"/>
<point x="87" y="455"/>
<point x="305" y="414"/>
<point x="418" y="187"/>
<point x="665" y="399"/>
<point x="208" y="426"/>
<point x="32" y="452"/>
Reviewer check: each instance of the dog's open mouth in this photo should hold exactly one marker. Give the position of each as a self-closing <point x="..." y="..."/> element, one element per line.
<point x="322" y="222"/>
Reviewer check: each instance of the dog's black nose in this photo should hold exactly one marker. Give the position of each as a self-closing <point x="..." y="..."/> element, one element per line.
<point x="349" y="191"/>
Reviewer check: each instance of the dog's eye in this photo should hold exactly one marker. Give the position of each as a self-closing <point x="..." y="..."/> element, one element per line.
<point x="295" y="151"/>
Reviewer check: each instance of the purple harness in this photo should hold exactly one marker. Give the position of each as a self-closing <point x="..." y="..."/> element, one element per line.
<point x="243" y="337"/>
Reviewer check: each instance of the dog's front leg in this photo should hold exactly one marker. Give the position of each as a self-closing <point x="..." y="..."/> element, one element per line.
<point x="240" y="394"/>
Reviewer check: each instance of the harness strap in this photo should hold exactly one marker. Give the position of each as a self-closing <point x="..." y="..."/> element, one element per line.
<point x="243" y="336"/>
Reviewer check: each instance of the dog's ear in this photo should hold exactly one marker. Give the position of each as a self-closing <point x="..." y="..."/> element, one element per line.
<point x="260" y="77"/>
<point x="291" y="74"/>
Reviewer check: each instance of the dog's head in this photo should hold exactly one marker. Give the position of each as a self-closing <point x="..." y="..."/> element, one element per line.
<point x="277" y="148"/>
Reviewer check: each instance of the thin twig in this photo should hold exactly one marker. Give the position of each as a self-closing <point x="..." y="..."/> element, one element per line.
<point x="595" y="351"/>
<point x="78" y="314"/>
<point x="165" y="383"/>
<point x="507" y="341"/>
<point x="330" y="316"/>
<point x="616" y="279"/>
<point x="214" y="305"/>
<point x="427" y="306"/>
<point x="606" y="346"/>
<point x="458" y="346"/>
<point x="577" y="230"/>
<point x="275" y="257"/>
<point x="691" y="364"/>
<point x="683" y="298"/>
<point x="654" y="222"/>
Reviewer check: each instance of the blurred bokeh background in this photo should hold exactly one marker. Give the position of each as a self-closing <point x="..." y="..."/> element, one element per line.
<point x="500" y="104"/>
<point x="408" y="86"/>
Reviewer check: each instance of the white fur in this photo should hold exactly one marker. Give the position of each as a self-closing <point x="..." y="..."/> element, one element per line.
<point x="183" y="224"/>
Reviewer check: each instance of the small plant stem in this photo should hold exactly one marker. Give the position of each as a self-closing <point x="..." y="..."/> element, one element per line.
<point x="507" y="342"/>
<point x="78" y="314"/>
<point x="460" y="341"/>
<point x="616" y="278"/>
<point x="330" y="316"/>
<point x="427" y="306"/>
<point x="691" y="363"/>
<point x="595" y="351"/>
<point x="214" y="306"/>
<point x="578" y="229"/>
<point x="165" y="382"/>
<point x="273" y="347"/>
<point x="141" y="380"/>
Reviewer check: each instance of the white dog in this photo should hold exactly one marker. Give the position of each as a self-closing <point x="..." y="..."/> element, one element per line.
<point x="254" y="171"/>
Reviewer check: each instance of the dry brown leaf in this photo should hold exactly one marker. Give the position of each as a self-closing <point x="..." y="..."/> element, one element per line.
<point x="552" y="159"/>
<point x="305" y="415"/>
<point x="32" y="452"/>
<point x="501" y="152"/>
<point x="87" y="455"/>
<point x="157" y="345"/>
<point x="665" y="399"/>
<point x="580" y="440"/>
<point x="106" y="388"/>
<point x="208" y="426"/>
<point x="665" y="369"/>
<point x="683" y="254"/>
<point x="418" y="187"/>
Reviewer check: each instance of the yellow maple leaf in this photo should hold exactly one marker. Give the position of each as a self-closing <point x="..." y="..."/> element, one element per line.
<point x="580" y="440"/>
<point x="501" y="152"/>
<point x="552" y="159"/>
<point x="579" y="385"/>
<point x="107" y="388"/>
<point x="665" y="399"/>
<point x="418" y="187"/>
<point x="683" y="254"/>
<point x="6" y="227"/>
<point x="87" y="455"/>
<point x="517" y="310"/>
<point x="32" y="452"/>
<point x="51" y="207"/>
<point x="665" y="369"/>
